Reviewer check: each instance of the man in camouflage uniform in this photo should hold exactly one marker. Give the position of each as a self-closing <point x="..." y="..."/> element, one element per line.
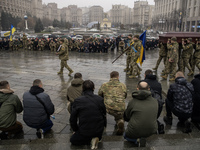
<point x="52" y="46"/>
<point x="172" y="59"/>
<point x="162" y="55"/>
<point x="30" y="45"/>
<point x="41" y="45"/>
<point x="114" y="93"/>
<point x="122" y="45"/>
<point x="11" y="44"/>
<point x="63" y="56"/>
<point x="16" y="44"/>
<point x="196" y="57"/>
<point x="128" y="53"/>
<point x="186" y="55"/>
<point x="135" y="56"/>
<point x="24" y="39"/>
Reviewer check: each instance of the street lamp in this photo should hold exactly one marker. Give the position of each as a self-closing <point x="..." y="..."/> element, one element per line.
<point x="26" y="24"/>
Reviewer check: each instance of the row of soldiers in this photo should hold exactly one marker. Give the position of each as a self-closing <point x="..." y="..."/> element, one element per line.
<point x="185" y="55"/>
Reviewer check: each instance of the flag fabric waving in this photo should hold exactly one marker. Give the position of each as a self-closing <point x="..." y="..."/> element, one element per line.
<point x="12" y="31"/>
<point x="142" y="53"/>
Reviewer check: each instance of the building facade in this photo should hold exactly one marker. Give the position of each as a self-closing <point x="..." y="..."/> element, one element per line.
<point x="143" y="13"/>
<point x="85" y="15"/>
<point x="96" y="13"/>
<point x="120" y="14"/>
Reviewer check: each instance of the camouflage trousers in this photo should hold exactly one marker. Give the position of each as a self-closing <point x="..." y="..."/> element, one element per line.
<point x="171" y="68"/>
<point x="53" y="48"/>
<point x="128" y="61"/>
<point x="185" y="63"/>
<point x="117" y="114"/>
<point x="134" y="68"/>
<point x="25" y="45"/>
<point x="195" y="62"/>
<point x="41" y="48"/>
<point x="63" y="64"/>
<point x="164" y="58"/>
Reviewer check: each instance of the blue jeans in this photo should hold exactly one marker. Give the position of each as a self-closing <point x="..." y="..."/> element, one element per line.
<point x="45" y="127"/>
<point x="130" y="140"/>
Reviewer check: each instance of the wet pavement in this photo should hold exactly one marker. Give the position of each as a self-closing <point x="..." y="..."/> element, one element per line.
<point x="22" y="67"/>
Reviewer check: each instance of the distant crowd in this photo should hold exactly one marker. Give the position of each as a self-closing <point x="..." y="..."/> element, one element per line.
<point x="89" y="45"/>
<point x="88" y="111"/>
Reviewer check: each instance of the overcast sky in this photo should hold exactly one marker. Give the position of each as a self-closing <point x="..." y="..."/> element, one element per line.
<point x="106" y="4"/>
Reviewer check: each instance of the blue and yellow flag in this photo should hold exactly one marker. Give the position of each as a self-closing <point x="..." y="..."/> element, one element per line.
<point x="12" y="31"/>
<point x="142" y="53"/>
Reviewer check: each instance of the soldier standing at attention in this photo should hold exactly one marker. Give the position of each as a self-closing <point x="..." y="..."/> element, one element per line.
<point x="24" y="38"/>
<point x="162" y="55"/>
<point x="114" y="93"/>
<point x="172" y="59"/>
<point x="128" y="59"/>
<point x="186" y="55"/>
<point x="63" y="56"/>
<point x="196" y="57"/>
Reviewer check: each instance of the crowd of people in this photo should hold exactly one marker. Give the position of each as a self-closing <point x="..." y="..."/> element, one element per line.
<point x="88" y="111"/>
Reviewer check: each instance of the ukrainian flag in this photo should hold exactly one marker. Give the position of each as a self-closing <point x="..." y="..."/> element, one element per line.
<point x="12" y="31"/>
<point x="142" y="53"/>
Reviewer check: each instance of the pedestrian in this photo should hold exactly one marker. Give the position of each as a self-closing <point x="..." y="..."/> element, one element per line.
<point x="10" y="105"/>
<point x="141" y="115"/>
<point x="90" y="112"/>
<point x="63" y="56"/>
<point x="180" y="102"/>
<point x="37" y="109"/>
<point x="114" y="93"/>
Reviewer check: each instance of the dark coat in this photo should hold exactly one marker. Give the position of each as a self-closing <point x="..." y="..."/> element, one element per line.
<point x="34" y="112"/>
<point x="87" y="113"/>
<point x="196" y="98"/>
<point x="141" y="114"/>
<point x="153" y="83"/>
<point x="180" y="94"/>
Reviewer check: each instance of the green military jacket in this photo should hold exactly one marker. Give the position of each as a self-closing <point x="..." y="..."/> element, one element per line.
<point x="11" y="43"/>
<point x="130" y="51"/>
<point x="163" y="51"/>
<point x="121" y="44"/>
<point x="52" y="44"/>
<point x="24" y="38"/>
<point x="173" y="51"/>
<point x="138" y="47"/>
<point x="187" y="50"/>
<point x="197" y="51"/>
<point x="41" y="44"/>
<point x="114" y="93"/>
<point x="63" y="53"/>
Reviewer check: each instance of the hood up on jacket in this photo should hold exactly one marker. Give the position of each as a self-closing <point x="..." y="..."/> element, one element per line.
<point x="197" y="76"/>
<point x="77" y="82"/>
<point x="141" y="94"/>
<point x="36" y="90"/>
<point x="181" y="81"/>
<point x="4" y="94"/>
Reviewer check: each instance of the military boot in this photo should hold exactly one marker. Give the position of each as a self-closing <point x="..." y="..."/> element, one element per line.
<point x="70" y="72"/>
<point x="60" y="72"/>
<point x="164" y="77"/>
<point x="190" y="73"/>
<point x="120" y="127"/>
<point x="172" y="79"/>
<point x="126" y="70"/>
<point x="128" y="73"/>
<point x="155" y="68"/>
<point x="132" y="76"/>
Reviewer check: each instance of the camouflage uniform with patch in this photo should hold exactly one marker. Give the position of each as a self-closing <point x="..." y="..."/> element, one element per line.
<point x="114" y="93"/>
<point x="186" y="55"/>
<point x="52" y="46"/>
<point x="24" y="39"/>
<point x="63" y="56"/>
<point x="196" y="57"/>
<point x="162" y="55"/>
<point x="172" y="55"/>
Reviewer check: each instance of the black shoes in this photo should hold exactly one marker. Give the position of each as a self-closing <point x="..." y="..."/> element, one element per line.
<point x="40" y="134"/>
<point x="168" y="120"/>
<point x="3" y="136"/>
<point x="187" y="128"/>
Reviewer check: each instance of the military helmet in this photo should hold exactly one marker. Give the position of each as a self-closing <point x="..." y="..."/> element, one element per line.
<point x="190" y="39"/>
<point x="174" y="38"/>
<point x="136" y="36"/>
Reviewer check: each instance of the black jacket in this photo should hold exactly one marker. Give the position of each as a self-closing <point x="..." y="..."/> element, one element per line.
<point x="87" y="113"/>
<point x="34" y="112"/>
<point x="180" y="94"/>
<point x="153" y="83"/>
<point x="196" y="98"/>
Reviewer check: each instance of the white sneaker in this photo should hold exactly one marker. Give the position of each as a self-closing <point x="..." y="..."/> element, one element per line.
<point x="94" y="143"/>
